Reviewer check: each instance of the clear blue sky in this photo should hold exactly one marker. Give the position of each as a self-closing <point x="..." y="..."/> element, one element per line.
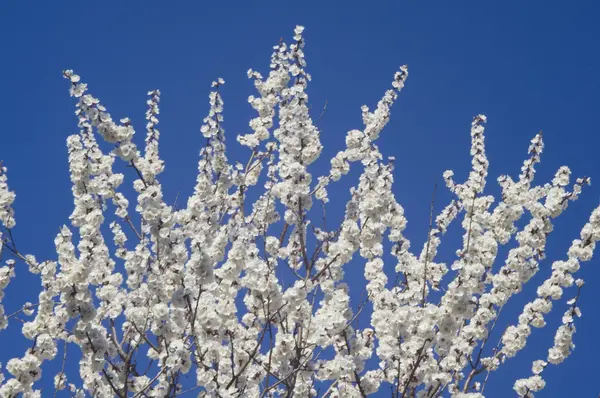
<point x="526" y="65"/>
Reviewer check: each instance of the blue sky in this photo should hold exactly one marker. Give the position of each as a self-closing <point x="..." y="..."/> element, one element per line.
<point x="526" y="65"/>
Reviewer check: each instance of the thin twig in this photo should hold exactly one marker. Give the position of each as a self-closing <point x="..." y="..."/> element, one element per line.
<point x="62" y="369"/>
<point x="427" y="246"/>
<point x="323" y="111"/>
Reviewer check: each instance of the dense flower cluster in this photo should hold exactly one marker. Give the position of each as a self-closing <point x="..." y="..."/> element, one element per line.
<point x="249" y="297"/>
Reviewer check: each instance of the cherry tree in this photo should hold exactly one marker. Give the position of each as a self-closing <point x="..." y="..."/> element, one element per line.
<point x="248" y="293"/>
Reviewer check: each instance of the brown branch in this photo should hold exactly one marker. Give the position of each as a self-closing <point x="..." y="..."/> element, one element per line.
<point x="314" y="278"/>
<point x="256" y="347"/>
<point x="139" y="393"/>
<point x="414" y="369"/>
<point x="427" y="246"/>
<point x="323" y="111"/>
<point x="128" y="220"/>
<point x="62" y="368"/>
<point x="109" y="380"/>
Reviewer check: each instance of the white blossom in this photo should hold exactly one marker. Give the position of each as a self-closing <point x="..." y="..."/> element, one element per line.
<point x="242" y="286"/>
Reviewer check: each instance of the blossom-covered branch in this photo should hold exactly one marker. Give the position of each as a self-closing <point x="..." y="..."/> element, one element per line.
<point x="245" y="295"/>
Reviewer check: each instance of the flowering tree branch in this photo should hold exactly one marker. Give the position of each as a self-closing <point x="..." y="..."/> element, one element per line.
<point x="249" y="295"/>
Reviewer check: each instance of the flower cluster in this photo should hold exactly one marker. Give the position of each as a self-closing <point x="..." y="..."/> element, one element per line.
<point x="243" y="290"/>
